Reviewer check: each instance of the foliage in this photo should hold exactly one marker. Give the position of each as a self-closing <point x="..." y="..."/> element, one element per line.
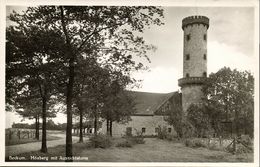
<point x="162" y="133"/>
<point x="198" y="116"/>
<point x="23" y="125"/>
<point x="100" y="141"/>
<point x="171" y="137"/>
<point x="246" y="140"/>
<point x="174" y="115"/>
<point x="230" y="95"/>
<point x="194" y="143"/>
<point x="125" y="143"/>
<point x="188" y="129"/>
<point x="137" y="139"/>
<point x="130" y="141"/>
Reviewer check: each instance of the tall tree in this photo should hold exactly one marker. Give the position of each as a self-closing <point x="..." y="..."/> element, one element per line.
<point x="29" y="68"/>
<point x="231" y="92"/>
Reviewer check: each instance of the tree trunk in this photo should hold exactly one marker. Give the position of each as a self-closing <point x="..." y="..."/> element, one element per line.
<point x="69" y="111"/>
<point x="44" y="108"/>
<point x="80" y="125"/>
<point x="110" y="127"/>
<point x="95" y="121"/>
<point x="37" y="124"/>
<point x="69" y="90"/>
<point x="236" y="128"/>
<point x="108" y="131"/>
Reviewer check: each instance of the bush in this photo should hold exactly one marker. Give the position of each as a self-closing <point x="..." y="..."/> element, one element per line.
<point x="246" y="140"/>
<point x="194" y="143"/>
<point x="188" y="130"/>
<point x="130" y="141"/>
<point x="137" y="139"/>
<point x="214" y="146"/>
<point x="162" y="134"/>
<point x="100" y="141"/>
<point x="125" y="143"/>
<point x="170" y="137"/>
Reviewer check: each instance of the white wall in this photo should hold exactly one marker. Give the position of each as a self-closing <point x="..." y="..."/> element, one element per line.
<point x="137" y="123"/>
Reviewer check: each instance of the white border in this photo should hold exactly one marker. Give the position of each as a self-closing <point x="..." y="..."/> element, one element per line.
<point x="198" y="3"/>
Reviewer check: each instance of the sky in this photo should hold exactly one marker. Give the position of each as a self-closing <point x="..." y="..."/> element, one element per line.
<point x="230" y="44"/>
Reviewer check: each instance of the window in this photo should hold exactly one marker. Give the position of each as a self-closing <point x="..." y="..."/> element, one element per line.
<point x="143" y="130"/>
<point x="187" y="75"/>
<point x="205" y="37"/>
<point x="156" y="130"/>
<point x="187" y="56"/>
<point x="204" y="74"/>
<point x="188" y="37"/>
<point x="169" y="130"/>
<point x="205" y="57"/>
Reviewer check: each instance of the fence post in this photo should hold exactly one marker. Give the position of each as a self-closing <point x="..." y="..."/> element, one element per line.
<point x="234" y="145"/>
<point x="220" y="141"/>
<point x="19" y="134"/>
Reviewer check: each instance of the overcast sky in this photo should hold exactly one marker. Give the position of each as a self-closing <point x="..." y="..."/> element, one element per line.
<point x="230" y="43"/>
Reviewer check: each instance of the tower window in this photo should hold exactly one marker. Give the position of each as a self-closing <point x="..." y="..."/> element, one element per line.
<point x="187" y="56"/>
<point x="188" y="37"/>
<point x="205" y="37"/>
<point x="205" y="57"/>
<point x="204" y="74"/>
<point x="187" y="75"/>
<point x="169" y="130"/>
<point x="143" y="130"/>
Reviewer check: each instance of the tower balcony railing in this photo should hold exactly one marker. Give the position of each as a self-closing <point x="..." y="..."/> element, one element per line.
<point x="191" y="80"/>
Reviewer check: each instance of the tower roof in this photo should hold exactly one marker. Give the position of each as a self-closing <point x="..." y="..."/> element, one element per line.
<point x="195" y="20"/>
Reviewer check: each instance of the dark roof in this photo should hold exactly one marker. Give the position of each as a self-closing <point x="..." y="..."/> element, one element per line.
<point x="147" y="103"/>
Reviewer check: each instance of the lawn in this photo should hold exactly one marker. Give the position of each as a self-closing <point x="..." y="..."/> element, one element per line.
<point x="154" y="150"/>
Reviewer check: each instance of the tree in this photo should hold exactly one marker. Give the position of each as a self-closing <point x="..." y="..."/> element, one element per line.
<point x="29" y="69"/>
<point x="198" y="116"/>
<point x="231" y="93"/>
<point x="31" y="110"/>
<point x="100" y="31"/>
<point x="174" y="116"/>
<point x="118" y="107"/>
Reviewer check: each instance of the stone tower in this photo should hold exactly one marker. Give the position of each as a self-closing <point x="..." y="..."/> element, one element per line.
<point x="194" y="60"/>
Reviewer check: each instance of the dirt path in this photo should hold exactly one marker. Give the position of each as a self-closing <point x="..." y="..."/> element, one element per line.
<point x="35" y="146"/>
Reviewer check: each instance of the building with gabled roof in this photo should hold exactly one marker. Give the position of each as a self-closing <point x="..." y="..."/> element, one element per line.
<point x="151" y="111"/>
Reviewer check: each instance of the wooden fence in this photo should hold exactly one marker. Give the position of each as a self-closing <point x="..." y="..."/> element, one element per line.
<point x="11" y="134"/>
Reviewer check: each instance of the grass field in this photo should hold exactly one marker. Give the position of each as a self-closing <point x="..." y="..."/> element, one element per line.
<point x="154" y="150"/>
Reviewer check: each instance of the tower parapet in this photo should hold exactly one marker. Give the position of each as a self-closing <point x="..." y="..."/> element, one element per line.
<point x="195" y="20"/>
<point x="192" y="80"/>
